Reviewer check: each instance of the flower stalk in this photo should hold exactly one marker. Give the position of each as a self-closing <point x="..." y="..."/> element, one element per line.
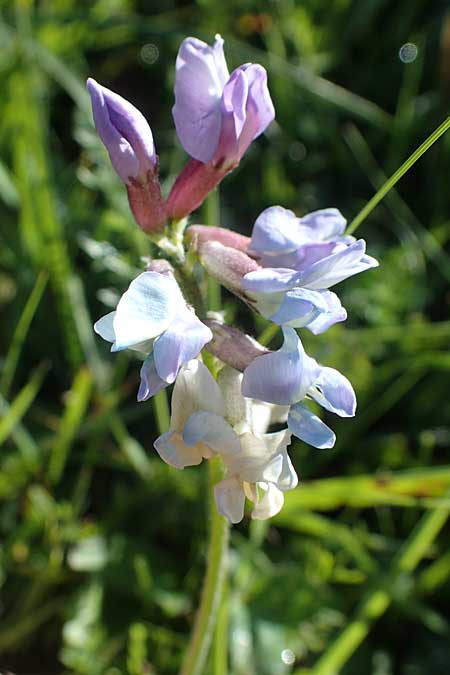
<point x="205" y="621"/>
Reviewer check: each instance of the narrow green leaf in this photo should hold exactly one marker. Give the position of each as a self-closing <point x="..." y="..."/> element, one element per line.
<point x="21" y="404"/>
<point x="18" y="339"/>
<point x="77" y="400"/>
<point x="404" y="168"/>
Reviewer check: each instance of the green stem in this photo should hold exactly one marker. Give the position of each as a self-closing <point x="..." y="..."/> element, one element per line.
<point x="379" y="599"/>
<point x="206" y="618"/>
<point x="382" y="192"/>
<point x="211" y="216"/>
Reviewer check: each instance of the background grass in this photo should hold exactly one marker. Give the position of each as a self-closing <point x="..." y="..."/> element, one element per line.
<point x="102" y="545"/>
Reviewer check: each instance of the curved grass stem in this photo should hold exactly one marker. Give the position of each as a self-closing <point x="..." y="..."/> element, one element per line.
<point x="404" y="168"/>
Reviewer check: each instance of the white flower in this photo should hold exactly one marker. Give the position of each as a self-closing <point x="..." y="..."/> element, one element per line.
<point x="153" y="318"/>
<point x="210" y="417"/>
<point x="197" y="426"/>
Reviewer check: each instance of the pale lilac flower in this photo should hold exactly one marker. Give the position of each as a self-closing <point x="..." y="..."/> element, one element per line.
<point x="217" y="115"/>
<point x="210" y="417"/>
<point x="288" y="377"/>
<point x="129" y="142"/>
<point x="280" y="239"/>
<point x="301" y="259"/>
<point x="152" y="318"/>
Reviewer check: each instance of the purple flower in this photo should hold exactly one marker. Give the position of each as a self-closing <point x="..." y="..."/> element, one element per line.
<point x="288" y="377"/>
<point x="129" y="142"/>
<point x="301" y="259"/>
<point x="216" y="115"/>
<point x="152" y="318"/>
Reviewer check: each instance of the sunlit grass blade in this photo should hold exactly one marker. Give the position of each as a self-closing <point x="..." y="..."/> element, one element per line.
<point x="8" y="190"/>
<point x="404" y="168"/>
<point x="378" y="600"/>
<point x="328" y="531"/>
<point x="77" y="400"/>
<point x="26" y="444"/>
<point x="419" y="235"/>
<point x="401" y="488"/>
<point x="20" y="333"/>
<point x="22" y="402"/>
<point x="41" y="230"/>
<point x="85" y="330"/>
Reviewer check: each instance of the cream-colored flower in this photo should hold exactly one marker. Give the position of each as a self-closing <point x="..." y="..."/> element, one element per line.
<point x="210" y="417"/>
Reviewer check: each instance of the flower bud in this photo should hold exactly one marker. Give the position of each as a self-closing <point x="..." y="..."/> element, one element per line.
<point x="191" y="188"/>
<point x="227" y="265"/>
<point x="202" y="233"/>
<point x="217" y="116"/>
<point x="233" y="347"/>
<point x="129" y="142"/>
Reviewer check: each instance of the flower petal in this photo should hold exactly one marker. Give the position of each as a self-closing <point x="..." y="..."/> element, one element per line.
<point x="325" y="224"/>
<point x="339" y="266"/>
<point x="334" y="392"/>
<point x="230" y="499"/>
<point x="212" y="430"/>
<point x="271" y="280"/>
<point x="325" y="320"/>
<point x="282" y="377"/>
<point x="262" y="458"/>
<point x="173" y="451"/>
<point x="105" y="327"/>
<point x="275" y="231"/>
<point x="124" y="132"/>
<point x="195" y="389"/>
<point x="270" y="504"/>
<point x="247" y="110"/>
<point x="233" y="109"/>
<point x="298" y="308"/>
<point x="201" y="74"/>
<point x="151" y="383"/>
<point x="305" y="255"/>
<point x="309" y="428"/>
<point x="181" y="341"/>
<point x="145" y="310"/>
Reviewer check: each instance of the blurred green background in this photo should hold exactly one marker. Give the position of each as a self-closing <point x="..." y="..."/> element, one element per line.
<point x="102" y="546"/>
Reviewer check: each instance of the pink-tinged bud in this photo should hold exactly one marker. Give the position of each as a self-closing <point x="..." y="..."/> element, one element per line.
<point x="234" y="348"/>
<point x="147" y="203"/>
<point x="129" y="142"/>
<point x="192" y="186"/>
<point x="227" y="265"/>
<point x="159" y="265"/>
<point x="198" y="234"/>
<point x="217" y="116"/>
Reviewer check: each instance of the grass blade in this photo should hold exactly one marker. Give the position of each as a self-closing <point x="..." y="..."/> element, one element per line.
<point x="393" y="180"/>
<point x="18" y="339"/>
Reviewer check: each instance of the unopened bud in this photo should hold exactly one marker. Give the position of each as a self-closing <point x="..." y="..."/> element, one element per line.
<point x="191" y="187"/>
<point x="233" y="347"/>
<point x="227" y="265"/>
<point x="147" y="203"/>
<point x="129" y="142"/>
<point x="198" y="234"/>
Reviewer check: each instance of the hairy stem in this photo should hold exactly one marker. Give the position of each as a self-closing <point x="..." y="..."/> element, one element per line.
<point x="206" y="618"/>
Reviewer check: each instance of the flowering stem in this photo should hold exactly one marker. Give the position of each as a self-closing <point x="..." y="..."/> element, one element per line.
<point x="206" y="618"/>
<point x="211" y="216"/>
<point x="382" y="192"/>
